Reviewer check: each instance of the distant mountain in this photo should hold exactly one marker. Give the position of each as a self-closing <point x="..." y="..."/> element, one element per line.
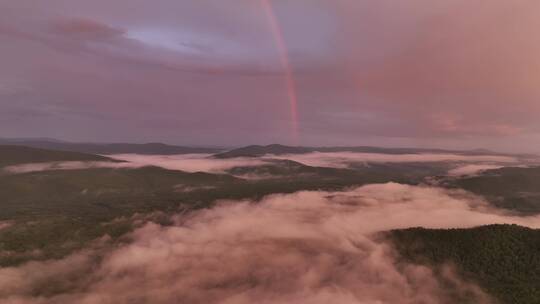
<point x="275" y="149"/>
<point x="23" y="139"/>
<point x="108" y="148"/>
<point x="13" y="155"/>
<point x="248" y="151"/>
<point x="255" y="151"/>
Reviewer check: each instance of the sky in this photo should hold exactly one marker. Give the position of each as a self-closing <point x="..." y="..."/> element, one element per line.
<point x="451" y="74"/>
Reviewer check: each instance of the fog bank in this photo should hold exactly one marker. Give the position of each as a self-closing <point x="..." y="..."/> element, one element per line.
<point x="309" y="247"/>
<point x="206" y="163"/>
<point x="183" y="162"/>
<point x="341" y="159"/>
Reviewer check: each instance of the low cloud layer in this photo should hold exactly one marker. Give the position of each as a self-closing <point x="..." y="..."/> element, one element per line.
<point x="66" y="165"/>
<point x="184" y="162"/>
<point x="309" y="247"/>
<point x="341" y="159"/>
<point x="5" y="224"/>
<point x="189" y="162"/>
<point x="472" y="169"/>
<point x="205" y="163"/>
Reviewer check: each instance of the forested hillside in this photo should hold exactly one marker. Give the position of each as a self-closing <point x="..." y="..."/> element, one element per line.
<point x="502" y="259"/>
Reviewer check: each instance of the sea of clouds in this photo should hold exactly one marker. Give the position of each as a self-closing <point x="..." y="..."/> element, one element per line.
<point x="342" y="159"/>
<point x="305" y="247"/>
<point x="465" y="164"/>
<point x="182" y="162"/>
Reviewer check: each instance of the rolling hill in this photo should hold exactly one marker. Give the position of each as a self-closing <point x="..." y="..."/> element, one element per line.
<point x="13" y="155"/>
<point x="502" y="259"/>
<point x="511" y="188"/>
<point x="108" y="148"/>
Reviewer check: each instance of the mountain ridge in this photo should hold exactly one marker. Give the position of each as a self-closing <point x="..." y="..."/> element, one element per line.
<point x="277" y="149"/>
<point x="108" y="148"/>
<point x="14" y="155"/>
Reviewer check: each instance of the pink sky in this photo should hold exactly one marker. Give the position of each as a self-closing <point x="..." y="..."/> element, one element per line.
<point x="460" y="74"/>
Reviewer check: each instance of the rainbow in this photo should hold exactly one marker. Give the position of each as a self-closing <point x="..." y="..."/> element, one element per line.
<point x="286" y="65"/>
